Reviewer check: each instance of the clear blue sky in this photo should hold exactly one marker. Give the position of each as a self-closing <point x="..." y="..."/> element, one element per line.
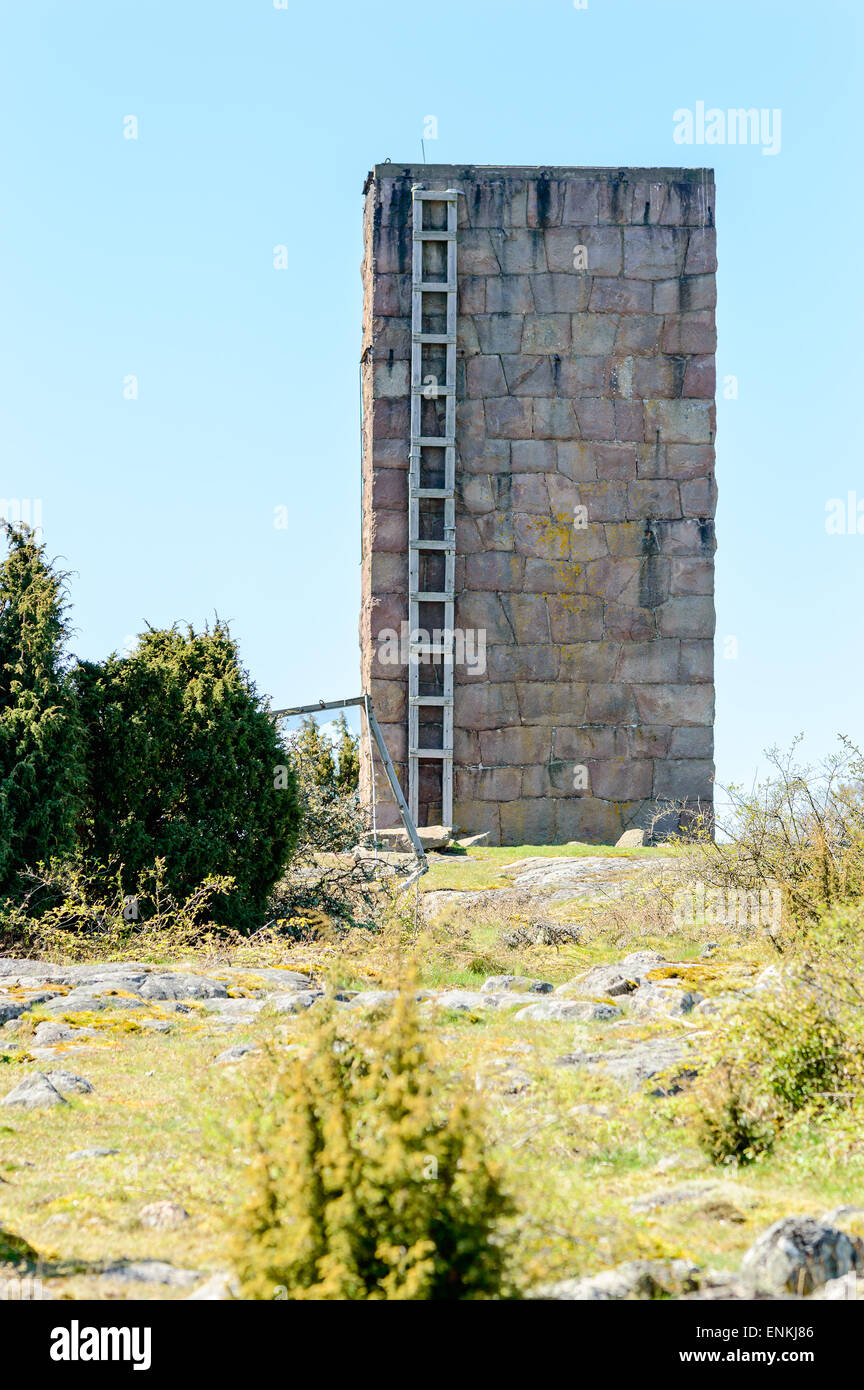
<point x="154" y="258"/>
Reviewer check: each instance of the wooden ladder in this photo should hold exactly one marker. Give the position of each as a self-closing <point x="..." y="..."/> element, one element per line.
<point x="421" y="446"/>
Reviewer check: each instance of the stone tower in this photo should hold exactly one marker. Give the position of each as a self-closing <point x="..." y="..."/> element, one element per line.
<point x="563" y="680"/>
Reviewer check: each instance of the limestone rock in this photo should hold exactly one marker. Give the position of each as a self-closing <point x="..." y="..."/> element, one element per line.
<point x="633" y="839"/>
<point x="523" y="984"/>
<point x="175" y="986"/>
<point x="669" y="1001"/>
<point x="163" y="1216"/>
<point x="665" y="1061"/>
<point x="574" y="1011"/>
<point x="430" y="836"/>
<point x="151" y="1272"/>
<point x="44" y="1089"/>
<point x="799" y="1254"/>
<point x="609" y="980"/>
<point x="637" y="1279"/>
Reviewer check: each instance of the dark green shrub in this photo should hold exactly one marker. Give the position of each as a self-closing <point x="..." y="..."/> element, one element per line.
<point x="185" y="765"/>
<point x="40" y="755"/>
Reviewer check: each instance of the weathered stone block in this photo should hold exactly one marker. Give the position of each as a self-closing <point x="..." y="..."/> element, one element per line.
<point x="484" y="612"/>
<point x="551" y="702"/>
<point x="576" y="461"/>
<point x="588" y="661"/>
<point x="700" y="378"/>
<point x="477" y="254"/>
<point x="701" y="252"/>
<point x="391" y="378"/>
<point x="698" y="497"/>
<point x="590" y="741"/>
<point x="509" y="417"/>
<point x="691" y="742"/>
<point x="653" y="497"/>
<point x="533" y="455"/>
<point x="499" y="332"/>
<point x="558" y="293"/>
<point x="639" y="333"/>
<point x="529" y="822"/>
<point x="679" y="422"/>
<point x="616" y="296"/>
<point x="684" y="779"/>
<point x="610" y="704"/>
<point x="528" y="375"/>
<point x="515" y="747"/>
<point x="584" y="251"/>
<point x="690" y="576"/>
<point x="687" y="617"/>
<point x="528" y="493"/>
<point x="596" y="417"/>
<point x="621" y="779"/>
<point x="488" y="784"/>
<point x="674" y="704"/>
<point x="520" y="251"/>
<point x="485" y="377"/>
<point x="486" y="706"/>
<point x="690" y="333"/>
<point x="540" y="662"/>
<point x="580" y="203"/>
<point x="494" y="570"/>
<point x="654" y="253"/>
<point x="575" y="618"/>
<point x="697" y="661"/>
<point x="546" y="333"/>
<point x="509" y="294"/>
<point x="593" y="335"/>
<point x="648" y="661"/>
<point x="554" y="419"/>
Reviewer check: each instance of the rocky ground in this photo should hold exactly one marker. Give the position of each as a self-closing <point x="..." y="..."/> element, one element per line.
<point x="121" y="1086"/>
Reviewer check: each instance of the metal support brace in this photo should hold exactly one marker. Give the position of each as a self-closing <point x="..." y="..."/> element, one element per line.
<point x="365" y="701"/>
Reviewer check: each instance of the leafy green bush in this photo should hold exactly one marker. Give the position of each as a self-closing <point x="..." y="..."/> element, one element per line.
<point x="801" y="831"/>
<point x="732" y="1121"/>
<point x="367" y="1183"/>
<point x="798" y="1046"/>
<point x="184" y="764"/>
<point x="68" y="906"/>
<point x="40" y="749"/>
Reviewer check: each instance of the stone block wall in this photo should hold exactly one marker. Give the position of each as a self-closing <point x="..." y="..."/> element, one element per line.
<point x="585" y="492"/>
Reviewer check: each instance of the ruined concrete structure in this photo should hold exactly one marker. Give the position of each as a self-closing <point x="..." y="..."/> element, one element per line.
<point x="580" y="420"/>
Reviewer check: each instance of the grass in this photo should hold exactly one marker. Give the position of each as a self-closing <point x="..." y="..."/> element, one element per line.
<point x="481" y="867"/>
<point x="178" y="1121"/>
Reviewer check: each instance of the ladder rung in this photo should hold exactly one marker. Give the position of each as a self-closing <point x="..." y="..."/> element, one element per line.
<point x="432" y="545"/>
<point x="439" y="701"/>
<point x="434" y="236"/>
<point x="445" y="492"/>
<point x="445" y="390"/>
<point x="440" y="338"/>
<point x="430" y="753"/>
<point x="435" y="195"/>
<point x="432" y="597"/>
<point x="433" y="441"/>
<point x="435" y="286"/>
